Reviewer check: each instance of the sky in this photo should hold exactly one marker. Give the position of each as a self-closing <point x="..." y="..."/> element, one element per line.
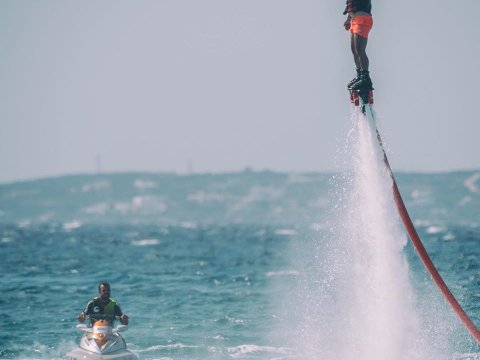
<point x="224" y="85"/>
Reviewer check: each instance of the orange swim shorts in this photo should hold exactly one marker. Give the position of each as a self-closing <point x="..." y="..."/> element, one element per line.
<point x="361" y="25"/>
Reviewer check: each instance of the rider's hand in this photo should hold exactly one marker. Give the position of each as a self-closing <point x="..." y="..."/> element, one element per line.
<point x="347" y="23"/>
<point x="81" y="317"/>
<point x="124" y="319"/>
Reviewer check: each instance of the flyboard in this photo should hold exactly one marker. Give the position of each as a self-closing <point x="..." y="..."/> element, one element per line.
<point x="363" y="100"/>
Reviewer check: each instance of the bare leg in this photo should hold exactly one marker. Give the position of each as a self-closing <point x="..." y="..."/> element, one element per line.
<point x="359" y="45"/>
<point x="354" y="52"/>
<point x="364" y="83"/>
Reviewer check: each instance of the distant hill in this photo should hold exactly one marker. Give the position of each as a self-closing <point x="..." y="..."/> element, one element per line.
<point x="244" y="197"/>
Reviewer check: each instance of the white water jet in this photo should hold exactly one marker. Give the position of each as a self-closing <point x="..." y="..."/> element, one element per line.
<point x="383" y="323"/>
<point x="356" y="300"/>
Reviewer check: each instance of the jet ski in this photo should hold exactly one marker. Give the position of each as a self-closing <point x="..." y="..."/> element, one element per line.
<point x="101" y="341"/>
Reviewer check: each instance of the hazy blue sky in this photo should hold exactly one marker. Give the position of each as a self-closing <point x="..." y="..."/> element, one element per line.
<point x="221" y="85"/>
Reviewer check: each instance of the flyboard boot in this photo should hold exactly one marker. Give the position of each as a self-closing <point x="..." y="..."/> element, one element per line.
<point x="361" y="92"/>
<point x="355" y="79"/>
<point x="364" y="82"/>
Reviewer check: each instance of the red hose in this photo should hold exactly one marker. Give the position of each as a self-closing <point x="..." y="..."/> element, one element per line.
<point x="417" y="243"/>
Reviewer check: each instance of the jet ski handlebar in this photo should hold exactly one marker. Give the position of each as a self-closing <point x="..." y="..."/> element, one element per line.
<point x="101" y="317"/>
<point x="98" y="317"/>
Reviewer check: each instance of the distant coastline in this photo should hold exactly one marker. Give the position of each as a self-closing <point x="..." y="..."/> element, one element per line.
<point x="246" y="197"/>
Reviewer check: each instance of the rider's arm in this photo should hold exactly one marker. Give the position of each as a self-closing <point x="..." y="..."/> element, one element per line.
<point x="121" y="315"/>
<point x="118" y="310"/>
<point x="87" y="311"/>
<point x="88" y="308"/>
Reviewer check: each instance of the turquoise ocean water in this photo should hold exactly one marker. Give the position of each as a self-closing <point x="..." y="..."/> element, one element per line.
<point x="249" y="265"/>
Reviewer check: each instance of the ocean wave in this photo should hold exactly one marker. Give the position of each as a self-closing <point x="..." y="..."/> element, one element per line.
<point x="177" y="345"/>
<point x="241" y="351"/>
<point x="435" y="230"/>
<point x="146" y="242"/>
<point x="203" y="197"/>
<point x="286" y="232"/>
<point x="72" y="225"/>
<point x="282" y="273"/>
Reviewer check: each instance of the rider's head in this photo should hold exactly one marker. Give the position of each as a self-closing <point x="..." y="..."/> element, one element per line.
<point x="104" y="291"/>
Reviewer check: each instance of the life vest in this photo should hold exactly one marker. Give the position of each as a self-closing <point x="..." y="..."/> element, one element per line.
<point x="109" y="309"/>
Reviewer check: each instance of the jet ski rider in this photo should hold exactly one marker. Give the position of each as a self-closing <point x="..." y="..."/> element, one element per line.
<point x="103" y="305"/>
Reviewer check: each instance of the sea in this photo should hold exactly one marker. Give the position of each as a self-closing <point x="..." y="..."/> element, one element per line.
<point x="246" y="265"/>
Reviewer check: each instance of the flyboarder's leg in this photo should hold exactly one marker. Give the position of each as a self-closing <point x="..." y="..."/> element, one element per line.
<point x="360" y="28"/>
<point x="354" y="51"/>
<point x="360" y="46"/>
<point x="356" y="60"/>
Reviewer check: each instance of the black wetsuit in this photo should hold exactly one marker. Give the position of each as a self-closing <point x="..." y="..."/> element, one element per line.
<point x="358" y="5"/>
<point x="95" y="307"/>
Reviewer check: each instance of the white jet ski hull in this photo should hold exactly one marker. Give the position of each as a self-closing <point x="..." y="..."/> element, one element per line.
<point x="81" y="354"/>
<point x="101" y="342"/>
